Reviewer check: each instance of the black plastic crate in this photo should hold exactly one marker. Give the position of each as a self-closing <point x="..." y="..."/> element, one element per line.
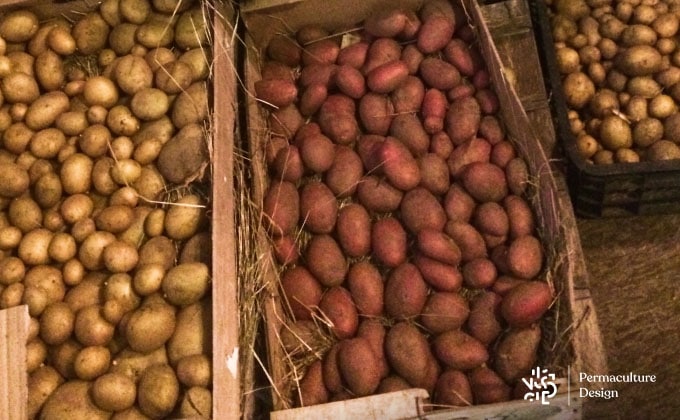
<point x="612" y="190"/>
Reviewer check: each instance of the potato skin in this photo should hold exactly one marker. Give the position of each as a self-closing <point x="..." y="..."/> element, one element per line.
<point x="325" y="260"/>
<point x="526" y="303"/>
<point x="459" y="350"/>
<point x="353" y="230"/>
<point x="485" y="322"/>
<point x="281" y="206"/>
<point x="339" y="308"/>
<point x="516" y="353"/>
<point x="408" y="352"/>
<point x="158" y="391"/>
<point x="318" y="207"/>
<point x="405" y="292"/>
<point x="389" y="240"/>
<point x="358" y="365"/>
<point x="453" y="388"/>
<point x="444" y="311"/>
<point x="525" y="257"/>
<point x="301" y="290"/>
<point x="365" y="283"/>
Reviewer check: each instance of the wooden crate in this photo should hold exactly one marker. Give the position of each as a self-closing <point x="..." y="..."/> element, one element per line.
<point x="576" y="312"/>
<point x="226" y="377"/>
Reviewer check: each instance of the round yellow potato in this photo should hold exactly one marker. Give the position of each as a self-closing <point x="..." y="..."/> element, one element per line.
<point x="158" y="391"/>
<point x="56" y="323"/>
<point x="14" y="180"/>
<point x="185" y="217"/>
<point x="100" y="90"/>
<point x="72" y="400"/>
<point x="19" y="87"/>
<point x="18" y="26"/>
<point x="76" y="173"/>
<point x="150" y="326"/>
<point x="186" y="283"/>
<point x="114" y="392"/>
<point x="150" y="104"/>
<point x="92" y="362"/>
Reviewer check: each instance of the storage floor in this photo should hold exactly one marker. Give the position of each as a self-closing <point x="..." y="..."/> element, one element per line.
<point x="634" y="270"/>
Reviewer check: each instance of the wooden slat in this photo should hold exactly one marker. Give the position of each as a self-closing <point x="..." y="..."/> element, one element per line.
<point x="394" y="405"/>
<point x="225" y="333"/>
<point x="13" y="377"/>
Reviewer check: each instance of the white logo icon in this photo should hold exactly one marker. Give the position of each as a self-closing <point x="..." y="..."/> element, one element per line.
<point x="541" y="386"/>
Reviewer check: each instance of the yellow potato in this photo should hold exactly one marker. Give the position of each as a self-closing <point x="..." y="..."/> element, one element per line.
<point x="18" y="26"/>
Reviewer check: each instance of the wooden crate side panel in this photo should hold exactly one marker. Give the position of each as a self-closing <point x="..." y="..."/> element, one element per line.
<point x="13" y="377"/>
<point x="225" y="326"/>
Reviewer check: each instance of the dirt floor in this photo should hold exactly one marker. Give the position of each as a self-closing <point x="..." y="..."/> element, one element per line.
<point x="634" y="268"/>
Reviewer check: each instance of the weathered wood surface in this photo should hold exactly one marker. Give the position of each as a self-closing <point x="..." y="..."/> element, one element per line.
<point x="13" y="377"/>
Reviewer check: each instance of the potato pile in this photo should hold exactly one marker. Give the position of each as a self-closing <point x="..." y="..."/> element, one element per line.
<point x="103" y="196"/>
<point x="620" y="67"/>
<point x="397" y="209"/>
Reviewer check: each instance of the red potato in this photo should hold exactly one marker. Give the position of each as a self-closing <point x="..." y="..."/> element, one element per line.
<point x="285" y="50"/>
<point x="437" y="245"/>
<point x="506" y="282"/>
<point x="353" y="55"/>
<point x="377" y="195"/>
<point x="435" y="32"/>
<point x="311" y="389"/>
<point x="488" y="387"/>
<point x="485" y="181"/>
<point x="288" y="165"/>
<point x="442" y="277"/>
<point x="520" y="216"/>
<point x="325" y="260"/>
<point x="322" y="51"/>
<point x="313" y="96"/>
<point x="307" y="129"/>
<point x="488" y="101"/>
<point x="365" y="283"/>
<point x="386" y="23"/>
<point x="276" y="70"/>
<point x="462" y="90"/>
<point x="367" y="147"/>
<point x="358" y="365"/>
<point x="353" y="230"/>
<point x="525" y="257"/>
<point x="458" y="204"/>
<point x="526" y="303"/>
<point x="490" y="218"/>
<point x="310" y="33"/>
<point x="468" y="239"/>
<point x="482" y="79"/>
<point x="433" y="110"/>
<point x="318" y="207"/>
<point x="276" y="92"/>
<point x="345" y="173"/>
<point x="453" y="389"/>
<point x="405" y="292"/>
<point x="459" y="53"/>
<point x="350" y="81"/>
<point x="281" y="207"/>
<point x="392" y="383"/>
<point x="434" y="174"/>
<point x="285" y="121"/>
<point x="412" y="56"/>
<point x="491" y="129"/>
<point x="502" y="153"/>
<point x="286" y="250"/>
<point x="485" y="322"/>
<point x="387" y="77"/>
<point x="517" y="174"/>
<point x="398" y="164"/>
<point x="408" y="352"/>
<point x="441" y="144"/>
<point x="516" y="353"/>
<point x="376" y="112"/>
<point x="411" y="27"/>
<point x="458" y="350"/>
<point x="389" y="241"/>
<point x="337" y="120"/>
<point x="474" y="150"/>
<point x="420" y="209"/>
<point x="317" y="152"/>
<point x="439" y="74"/>
<point x="409" y="130"/>
<point x="318" y="74"/>
<point x="332" y="378"/>
<point x="381" y="51"/>
<point x="444" y="311"/>
<point x="462" y="119"/>
<point x="302" y="291"/>
<point x="337" y="306"/>
<point x="374" y="331"/>
<point x="479" y="273"/>
<point x="408" y="97"/>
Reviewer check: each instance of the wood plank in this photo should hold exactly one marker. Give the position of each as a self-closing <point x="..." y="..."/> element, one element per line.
<point x="225" y="331"/>
<point x="13" y="375"/>
<point x="393" y="405"/>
